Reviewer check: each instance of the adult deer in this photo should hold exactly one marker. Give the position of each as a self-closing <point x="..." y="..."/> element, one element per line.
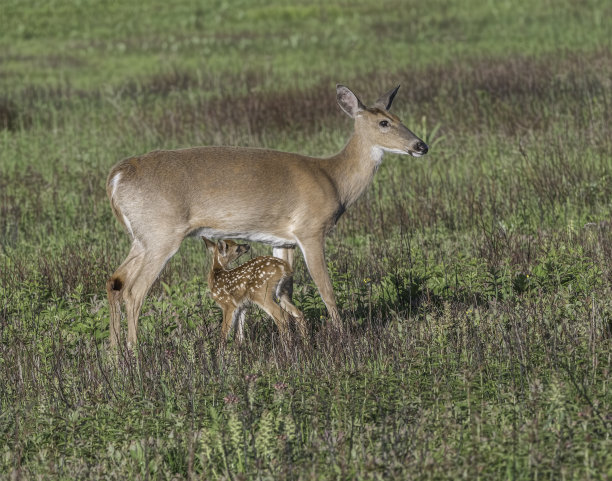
<point x="278" y="198"/>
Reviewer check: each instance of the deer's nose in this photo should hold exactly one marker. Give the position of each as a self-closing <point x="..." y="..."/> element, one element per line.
<point x="421" y="147"/>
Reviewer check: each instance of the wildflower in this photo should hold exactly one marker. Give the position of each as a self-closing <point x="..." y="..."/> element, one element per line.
<point x="280" y="386"/>
<point x="230" y="399"/>
<point x="251" y="378"/>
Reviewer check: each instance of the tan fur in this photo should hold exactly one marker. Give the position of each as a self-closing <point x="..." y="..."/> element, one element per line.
<point x="283" y="199"/>
<point x="259" y="280"/>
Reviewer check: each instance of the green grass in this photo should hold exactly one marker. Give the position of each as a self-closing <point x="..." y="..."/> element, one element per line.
<point x="475" y="283"/>
<point x="94" y="44"/>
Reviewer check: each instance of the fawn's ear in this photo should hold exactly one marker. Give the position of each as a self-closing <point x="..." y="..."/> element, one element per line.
<point x="210" y="245"/>
<point x="222" y="245"/>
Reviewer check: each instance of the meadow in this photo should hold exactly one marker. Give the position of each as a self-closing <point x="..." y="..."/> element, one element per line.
<point x="475" y="283"/>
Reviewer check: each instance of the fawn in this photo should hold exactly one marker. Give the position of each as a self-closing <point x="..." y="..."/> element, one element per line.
<point x="259" y="280"/>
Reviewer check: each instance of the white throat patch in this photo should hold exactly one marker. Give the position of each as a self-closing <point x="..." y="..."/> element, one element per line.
<point x="395" y="151"/>
<point x="377" y="154"/>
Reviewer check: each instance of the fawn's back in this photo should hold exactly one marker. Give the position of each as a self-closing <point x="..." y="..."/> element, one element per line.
<point x="252" y="281"/>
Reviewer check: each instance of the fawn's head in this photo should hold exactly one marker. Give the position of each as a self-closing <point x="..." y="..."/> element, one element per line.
<point x="382" y="129"/>
<point x="225" y="251"/>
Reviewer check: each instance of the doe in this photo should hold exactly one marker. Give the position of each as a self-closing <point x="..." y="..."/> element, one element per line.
<point x="259" y="280"/>
<point x="282" y="199"/>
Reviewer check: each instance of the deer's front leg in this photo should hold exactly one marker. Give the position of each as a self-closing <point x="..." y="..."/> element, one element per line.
<point x="314" y="256"/>
<point x="286" y="254"/>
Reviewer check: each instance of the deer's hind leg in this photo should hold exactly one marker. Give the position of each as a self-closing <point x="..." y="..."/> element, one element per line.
<point x="152" y="262"/>
<point x="288" y="255"/>
<point x="116" y="286"/>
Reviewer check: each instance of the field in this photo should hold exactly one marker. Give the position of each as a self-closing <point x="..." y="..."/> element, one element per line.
<point x="475" y="283"/>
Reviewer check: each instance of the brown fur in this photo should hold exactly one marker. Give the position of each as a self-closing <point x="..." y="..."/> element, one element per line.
<point x="259" y="281"/>
<point x="279" y="198"/>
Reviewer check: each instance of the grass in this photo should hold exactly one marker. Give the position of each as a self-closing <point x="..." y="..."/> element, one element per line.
<point x="475" y="283"/>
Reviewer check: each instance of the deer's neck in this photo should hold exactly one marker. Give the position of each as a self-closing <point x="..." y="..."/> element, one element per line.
<point x="215" y="270"/>
<point x="353" y="168"/>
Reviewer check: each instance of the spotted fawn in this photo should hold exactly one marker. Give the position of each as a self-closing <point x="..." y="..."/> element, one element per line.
<point x="259" y="280"/>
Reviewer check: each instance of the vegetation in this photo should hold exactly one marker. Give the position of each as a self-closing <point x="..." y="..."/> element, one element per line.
<point x="475" y="283"/>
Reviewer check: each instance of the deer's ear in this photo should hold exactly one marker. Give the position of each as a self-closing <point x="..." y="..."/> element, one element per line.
<point x="385" y="100"/>
<point x="348" y="101"/>
<point x="210" y="245"/>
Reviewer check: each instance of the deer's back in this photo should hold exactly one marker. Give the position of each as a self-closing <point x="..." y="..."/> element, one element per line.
<point x="221" y="188"/>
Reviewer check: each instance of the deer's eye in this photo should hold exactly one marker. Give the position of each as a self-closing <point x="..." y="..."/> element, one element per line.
<point x="384" y="123"/>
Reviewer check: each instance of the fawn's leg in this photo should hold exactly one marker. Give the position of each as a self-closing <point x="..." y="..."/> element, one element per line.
<point x="267" y="303"/>
<point x="239" y="316"/>
<point x="228" y="321"/>
<point x="285" y="302"/>
<point x="288" y="306"/>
